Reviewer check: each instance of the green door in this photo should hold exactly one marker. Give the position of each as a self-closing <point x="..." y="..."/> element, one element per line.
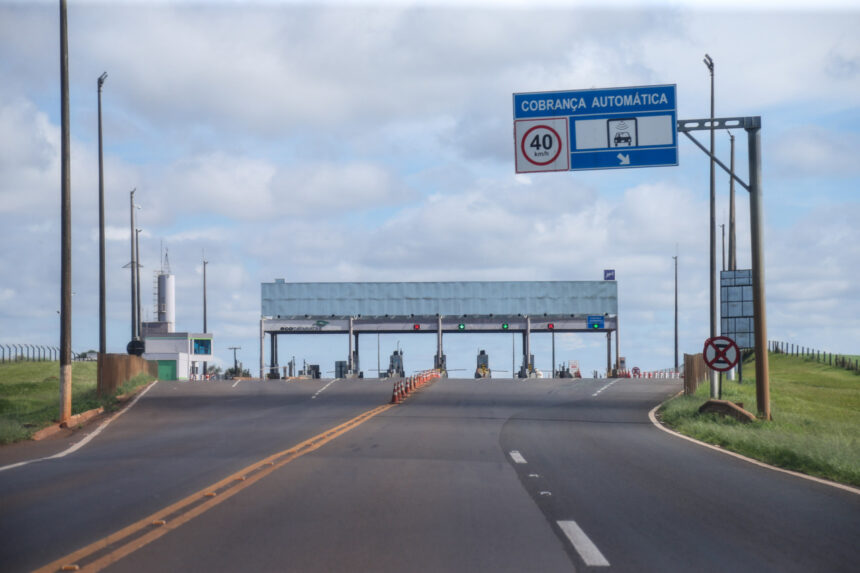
<point x="167" y="369"/>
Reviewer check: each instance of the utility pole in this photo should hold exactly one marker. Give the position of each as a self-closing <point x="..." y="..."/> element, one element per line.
<point x="102" y="288"/>
<point x="723" y="229"/>
<point x="235" y="362"/>
<point x="66" y="227"/>
<point x="715" y="380"/>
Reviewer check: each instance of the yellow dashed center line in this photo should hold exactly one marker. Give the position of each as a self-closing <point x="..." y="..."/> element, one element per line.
<point x="116" y="546"/>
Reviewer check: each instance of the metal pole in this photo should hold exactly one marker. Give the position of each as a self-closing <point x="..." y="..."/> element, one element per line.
<point x="715" y="380"/>
<point x="513" y="368"/>
<point x="137" y="277"/>
<point x="349" y="362"/>
<point x="527" y="347"/>
<point x="262" y="341"/>
<point x="133" y="265"/>
<point x="205" y="364"/>
<point x="102" y="287"/>
<point x="439" y="341"/>
<point x="609" y="354"/>
<point x="378" y="364"/>
<point x="676" y="313"/>
<point x="733" y="261"/>
<point x="723" y="230"/>
<point x="553" y="354"/>
<point x="762" y="369"/>
<point x="66" y="227"/>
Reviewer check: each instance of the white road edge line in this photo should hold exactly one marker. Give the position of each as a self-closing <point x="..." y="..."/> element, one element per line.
<point x="75" y="447"/>
<point x="653" y="417"/>
<point x="605" y="387"/>
<point x="235" y="383"/>
<point x="583" y="545"/>
<point x="324" y="387"/>
<point x="517" y="457"/>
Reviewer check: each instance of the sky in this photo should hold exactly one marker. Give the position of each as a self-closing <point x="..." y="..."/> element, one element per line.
<point x="359" y="141"/>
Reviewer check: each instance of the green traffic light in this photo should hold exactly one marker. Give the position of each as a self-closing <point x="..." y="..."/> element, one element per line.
<point x="505" y="326"/>
<point x="461" y="326"/>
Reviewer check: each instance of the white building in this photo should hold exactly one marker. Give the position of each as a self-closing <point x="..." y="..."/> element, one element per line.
<point x="180" y="355"/>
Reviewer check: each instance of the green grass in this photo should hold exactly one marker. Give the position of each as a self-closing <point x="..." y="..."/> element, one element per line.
<point x="30" y="395"/>
<point x="816" y="419"/>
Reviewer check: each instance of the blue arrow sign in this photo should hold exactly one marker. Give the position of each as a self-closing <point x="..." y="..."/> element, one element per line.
<point x="612" y="128"/>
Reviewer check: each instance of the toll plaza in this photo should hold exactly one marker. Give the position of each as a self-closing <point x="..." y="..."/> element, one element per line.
<point x="353" y="309"/>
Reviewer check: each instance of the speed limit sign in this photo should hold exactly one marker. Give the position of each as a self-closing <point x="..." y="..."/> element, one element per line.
<point x="542" y="145"/>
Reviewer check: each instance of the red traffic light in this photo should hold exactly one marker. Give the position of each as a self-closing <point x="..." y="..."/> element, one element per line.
<point x="416" y="327"/>
<point x="550" y="326"/>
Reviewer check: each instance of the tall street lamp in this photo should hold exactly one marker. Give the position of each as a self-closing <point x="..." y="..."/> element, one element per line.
<point x="676" y="312"/>
<point x="137" y="277"/>
<point x="102" y="305"/>
<point x="205" y="262"/>
<point x="715" y="380"/>
<point x="733" y="261"/>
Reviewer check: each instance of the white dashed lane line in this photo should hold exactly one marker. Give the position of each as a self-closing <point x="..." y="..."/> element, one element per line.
<point x="517" y="457"/>
<point x="320" y="391"/>
<point x="605" y="386"/>
<point x="587" y="550"/>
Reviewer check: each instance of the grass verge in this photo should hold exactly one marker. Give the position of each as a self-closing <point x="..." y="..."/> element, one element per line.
<point x="30" y="395"/>
<point x="815" y="427"/>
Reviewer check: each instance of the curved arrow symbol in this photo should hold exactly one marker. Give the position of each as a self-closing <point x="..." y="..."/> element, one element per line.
<point x="625" y="159"/>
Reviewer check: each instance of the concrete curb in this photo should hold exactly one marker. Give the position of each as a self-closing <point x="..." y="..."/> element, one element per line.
<point x="652" y="415"/>
<point x="76" y="420"/>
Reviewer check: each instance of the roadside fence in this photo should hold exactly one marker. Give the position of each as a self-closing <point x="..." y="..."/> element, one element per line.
<point x="792" y="349"/>
<point x="29" y="353"/>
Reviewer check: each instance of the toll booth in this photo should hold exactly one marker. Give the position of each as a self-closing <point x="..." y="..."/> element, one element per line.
<point x="482" y="370"/>
<point x="395" y="365"/>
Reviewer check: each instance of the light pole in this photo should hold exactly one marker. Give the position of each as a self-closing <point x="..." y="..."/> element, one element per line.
<point x="205" y="262"/>
<point x="733" y="261"/>
<point x="137" y="276"/>
<point x="723" y="229"/>
<point x="102" y="304"/>
<point x="676" y="313"/>
<point x="715" y="380"/>
<point x="133" y="266"/>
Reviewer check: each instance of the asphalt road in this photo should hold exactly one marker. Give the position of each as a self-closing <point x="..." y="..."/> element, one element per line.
<point x="466" y="475"/>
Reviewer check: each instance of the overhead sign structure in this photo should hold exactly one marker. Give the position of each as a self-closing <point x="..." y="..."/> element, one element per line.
<point x="595" y="129"/>
<point x="596" y="322"/>
<point x="721" y="353"/>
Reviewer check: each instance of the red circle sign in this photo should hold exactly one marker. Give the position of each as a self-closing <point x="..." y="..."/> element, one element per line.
<point x="721" y="353"/>
<point x="544" y="145"/>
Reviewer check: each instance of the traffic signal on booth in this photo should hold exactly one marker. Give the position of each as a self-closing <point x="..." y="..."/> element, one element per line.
<point x="416" y="327"/>
<point x="461" y="326"/>
<point x="504" y="326"/>
<point x="550" y="326"/>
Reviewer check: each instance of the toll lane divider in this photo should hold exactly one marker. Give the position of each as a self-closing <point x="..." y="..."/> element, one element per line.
<point x="405" y="386"/>
<point x="102" y="553"/>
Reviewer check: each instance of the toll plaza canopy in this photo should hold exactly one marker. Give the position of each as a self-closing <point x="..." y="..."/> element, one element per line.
<point x="466" y="306"/>
<point x="281" y="299"/>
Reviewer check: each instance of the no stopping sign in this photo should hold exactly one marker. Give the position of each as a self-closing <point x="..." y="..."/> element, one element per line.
<point x="721" y="353"/>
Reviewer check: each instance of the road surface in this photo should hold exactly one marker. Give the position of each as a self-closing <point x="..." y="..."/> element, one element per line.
<point x="465" y="475"/>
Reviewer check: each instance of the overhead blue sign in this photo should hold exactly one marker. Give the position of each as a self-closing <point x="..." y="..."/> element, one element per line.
<point x="609" y="274"/>
<point x="596" y="322"/>
<point x="596" y="129"/>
